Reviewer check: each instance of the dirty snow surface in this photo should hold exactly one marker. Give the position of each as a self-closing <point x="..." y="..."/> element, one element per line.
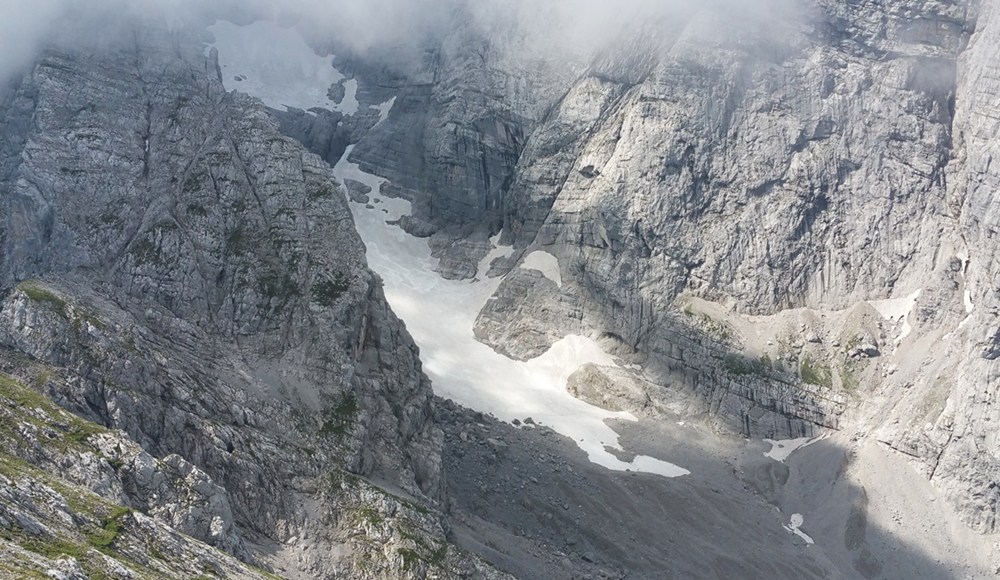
<point x="545" y="263"/>
<point x="440" y="314"/>
<point x="276" y="65"/>
<point x="898" y="309"/>
<point x="781" y="450"/>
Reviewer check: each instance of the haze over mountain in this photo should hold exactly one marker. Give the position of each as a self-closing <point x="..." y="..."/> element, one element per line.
<point x="456" y="289"/>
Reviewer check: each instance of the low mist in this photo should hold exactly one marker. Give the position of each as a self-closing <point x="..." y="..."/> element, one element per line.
<point x="545" y="28"/>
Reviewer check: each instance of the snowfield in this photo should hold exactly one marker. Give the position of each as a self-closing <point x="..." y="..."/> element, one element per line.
<point x="438" y="313"/>
<point x="383" y="109"/>
<point x="276" y="65"/>
<point x="898" y="309"/>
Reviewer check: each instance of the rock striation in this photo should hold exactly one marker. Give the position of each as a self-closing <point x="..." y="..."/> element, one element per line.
<point x="192" y="279"/>
<point x="744" y="207"/>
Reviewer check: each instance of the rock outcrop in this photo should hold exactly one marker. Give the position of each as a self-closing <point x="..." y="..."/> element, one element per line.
<point x="782" y="226"/>
<point x="195" y="280"/>
<point x="825" y="172"/>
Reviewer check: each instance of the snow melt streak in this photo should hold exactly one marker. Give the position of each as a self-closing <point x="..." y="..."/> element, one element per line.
<point x="440" y="315"/>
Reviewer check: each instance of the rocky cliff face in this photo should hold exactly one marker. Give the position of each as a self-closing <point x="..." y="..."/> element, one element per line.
<point x="784" y="220"/>
<point x="458" y="127"/>
<point x="196" y="281"/>
<point x="782" y="226"/>
<point x="954" y="434"/>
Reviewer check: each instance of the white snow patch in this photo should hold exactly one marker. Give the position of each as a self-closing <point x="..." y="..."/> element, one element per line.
<point x="440" y="314"/>
<point x="896" y="309"/>
<point x="794" y="525"/>
<point x="969" y="306"/>
<point x="498" y="251"/>
<point x="780" y="450"/>
<point x="383" y="110"/>
<point x="349" y="104"/>
<point x="277" y="66"/>
<point x="545" y="263"/>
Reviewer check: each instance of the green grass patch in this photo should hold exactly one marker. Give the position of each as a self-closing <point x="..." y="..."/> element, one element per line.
<point x="815" y="373"/>
<point x="722" y="331"/>
<point x="14" y="390"/>
<point x="37" y="293"/>
<point x="370" y="516"/>
<point x="22" y="569"/>
<point x="77" y="430"/>
<point x="145" y="251"/>
<point x="277" y="285"/>
<point x="80" y="319"/>
<point x="51" y="548"/>
<point x="110" y="218"/>
<point x="238" y="242"/>
<point x="740" y="365"/>
<point x="411" y="557"/>
<point x="322" y="191"/>
<point x="104" y="537"/>
<point x="850" y="373"/>
<point x="850" y="376"/>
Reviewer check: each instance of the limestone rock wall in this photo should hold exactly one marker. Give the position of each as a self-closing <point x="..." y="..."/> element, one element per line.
<point x="197" y="278"/>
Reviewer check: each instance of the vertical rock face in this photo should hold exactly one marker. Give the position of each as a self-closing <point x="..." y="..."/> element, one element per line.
<point x="956" y="435"/>
<point x="743" y="154"/>
<point x="733" y="202"/>
<point x="198" y="277"/>
<point x="765" y="165"/>
<point x="456" y="132"/>
<point x="787" y="226"/>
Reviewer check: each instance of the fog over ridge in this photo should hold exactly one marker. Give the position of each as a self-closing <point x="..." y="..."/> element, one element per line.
<point x="544" y="26"/>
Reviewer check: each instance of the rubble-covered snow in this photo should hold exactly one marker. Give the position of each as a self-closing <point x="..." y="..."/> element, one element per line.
<point x="794" y="525"/>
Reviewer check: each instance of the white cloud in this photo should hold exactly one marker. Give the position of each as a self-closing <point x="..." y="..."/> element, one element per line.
<point x="555" y="26"/>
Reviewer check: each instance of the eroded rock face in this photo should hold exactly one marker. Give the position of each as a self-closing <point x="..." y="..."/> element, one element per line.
<point x="953" y="432"/>
<point x="457" y="129"/>
<point x="198" y="278"/>
<point x="726" y="200"/>
<point x="820" y="161"/>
